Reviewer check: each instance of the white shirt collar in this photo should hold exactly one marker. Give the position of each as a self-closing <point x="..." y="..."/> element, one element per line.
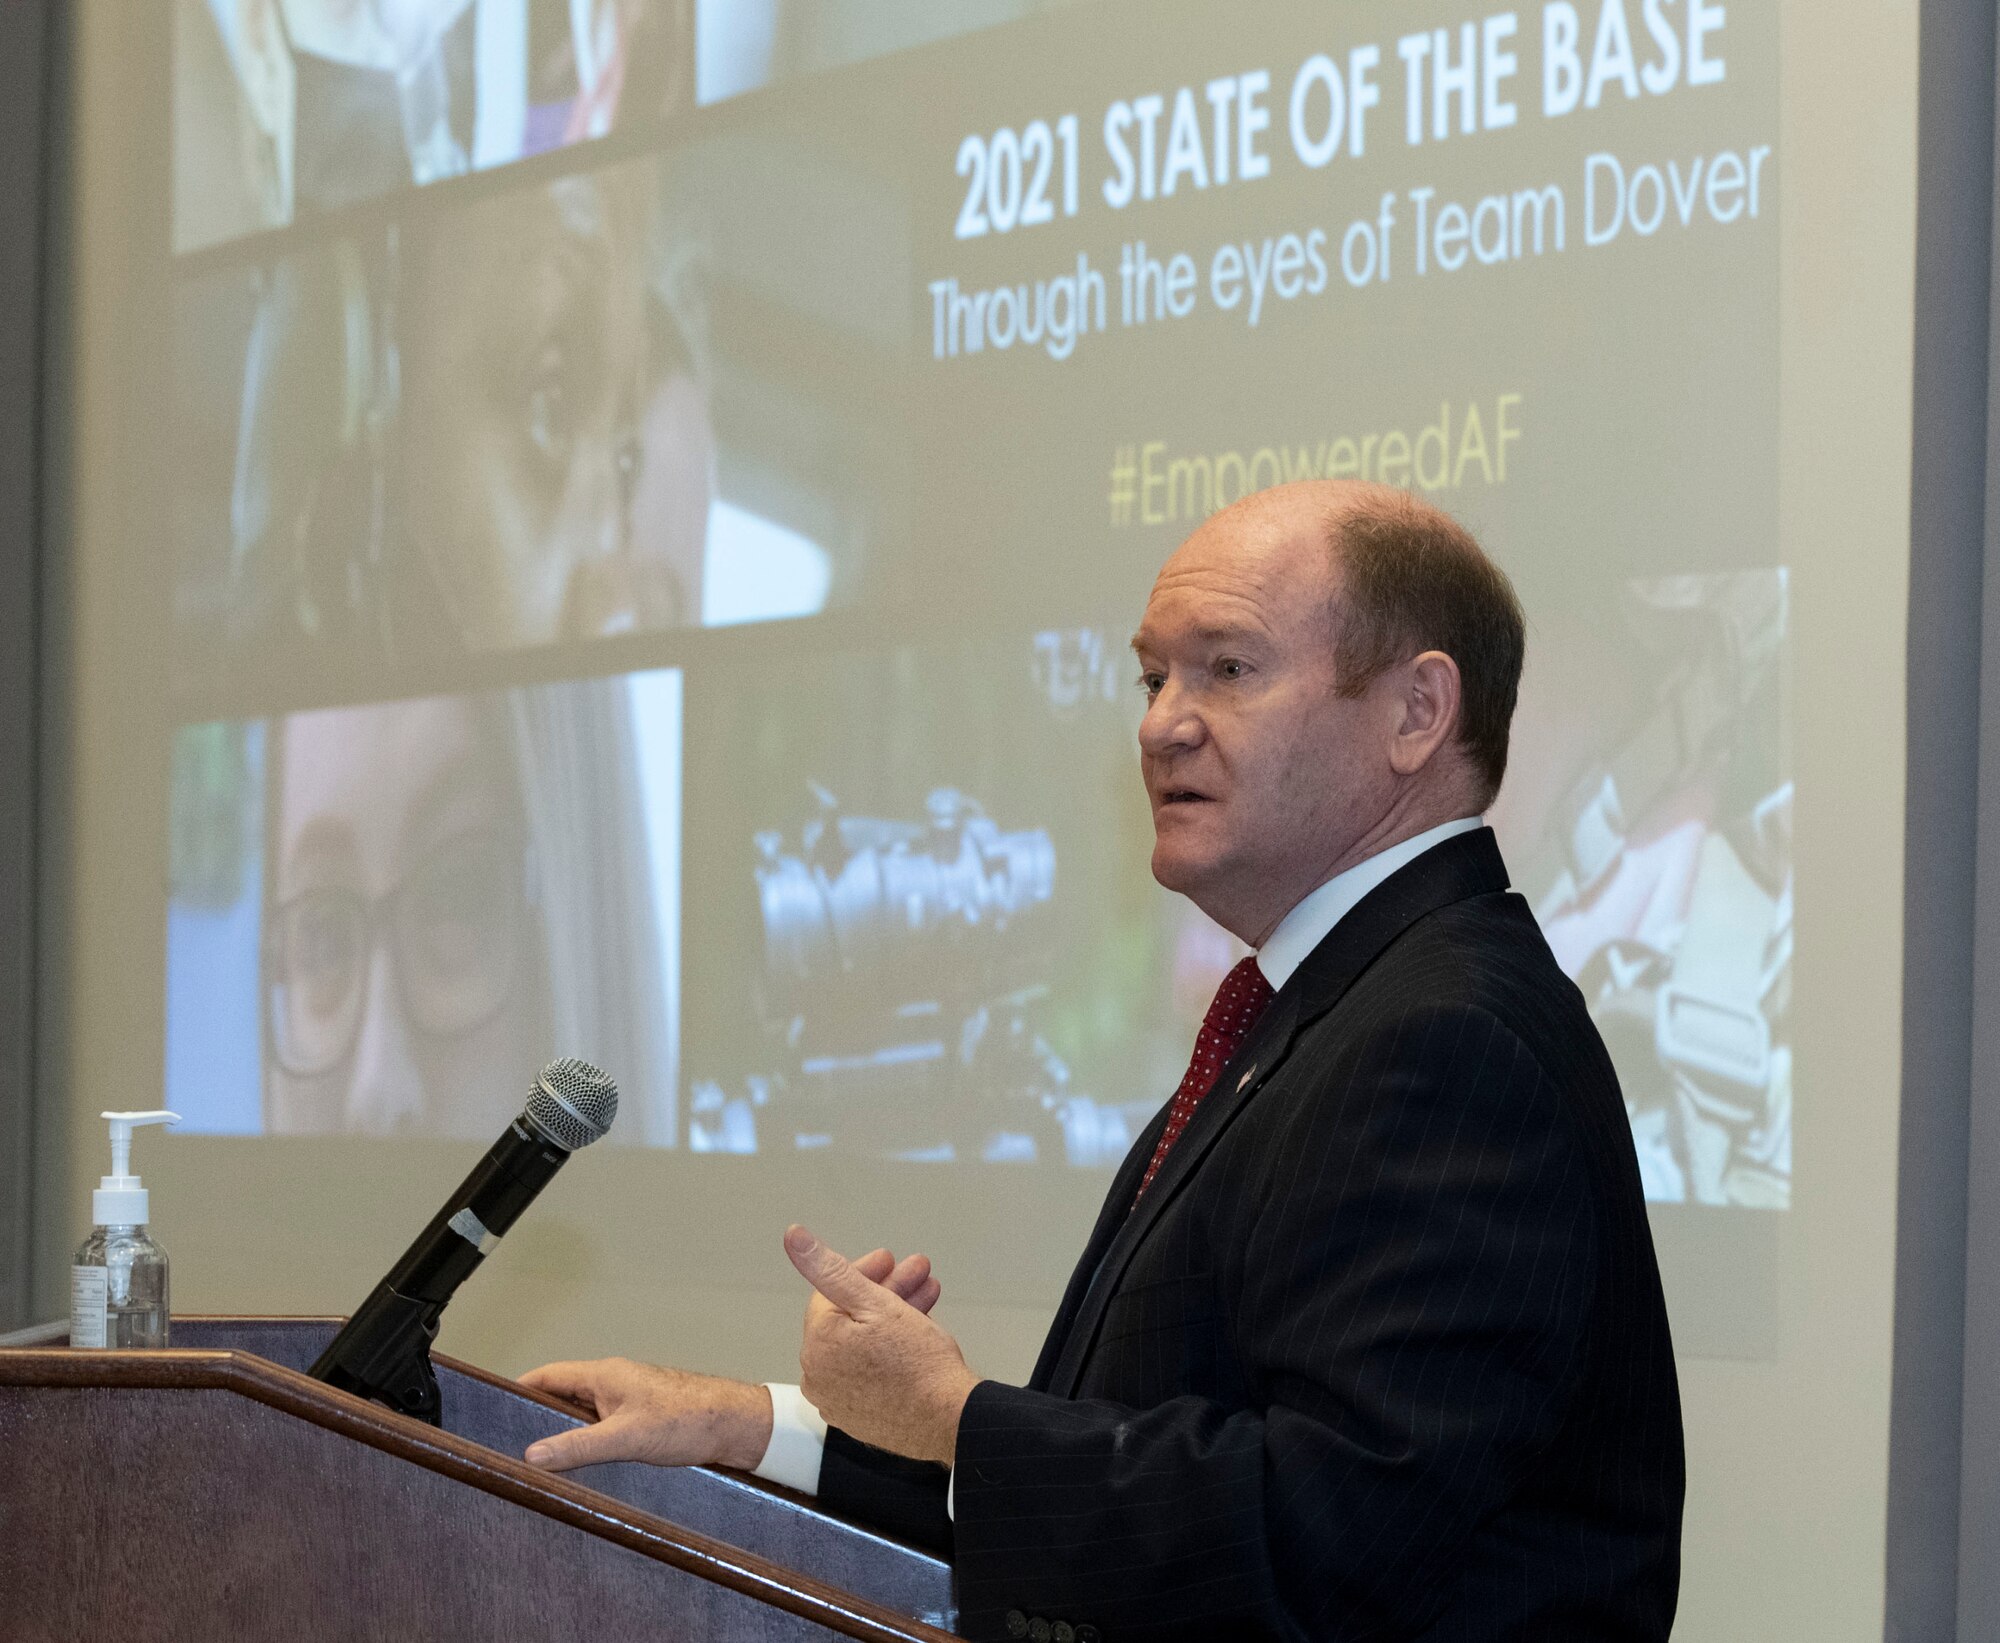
<point x="1308" y="924"/>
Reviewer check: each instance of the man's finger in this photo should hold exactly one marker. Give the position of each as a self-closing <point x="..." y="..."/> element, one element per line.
<point x="914" y="1281"/>
<point x="831" y="1273"/>
<point x="879" y="1266"/>
<point x="907" y="1275"/>
<point x="581" y="1446"/>
<point x="575" y="1381"/>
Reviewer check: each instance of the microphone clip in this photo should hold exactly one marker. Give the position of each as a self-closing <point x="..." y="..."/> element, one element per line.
<point x="384" y="1353"/>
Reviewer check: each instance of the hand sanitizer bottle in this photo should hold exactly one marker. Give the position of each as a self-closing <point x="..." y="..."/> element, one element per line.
<point x="118" y="1285"/>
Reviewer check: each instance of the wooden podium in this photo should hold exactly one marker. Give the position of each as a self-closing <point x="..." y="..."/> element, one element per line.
<point x="216" y="1491"/>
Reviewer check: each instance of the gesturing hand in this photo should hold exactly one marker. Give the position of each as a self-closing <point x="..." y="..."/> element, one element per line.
<point x="874" y="1364"/>
<point x="669" y="1417"/>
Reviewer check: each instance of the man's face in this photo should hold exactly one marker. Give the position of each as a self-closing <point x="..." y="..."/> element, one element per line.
<point x="561" y="452"/>
<point x="1261" y="776"/>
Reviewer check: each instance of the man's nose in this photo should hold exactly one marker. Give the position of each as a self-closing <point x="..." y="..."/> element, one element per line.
<point x="385" y="1092"/>
<point x="1171" y="723"/>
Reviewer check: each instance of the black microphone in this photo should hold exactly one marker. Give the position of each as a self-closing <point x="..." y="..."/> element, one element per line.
<point x="383" y="1351"/>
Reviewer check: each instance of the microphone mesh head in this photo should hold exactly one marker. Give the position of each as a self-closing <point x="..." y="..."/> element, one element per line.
<point x="572" y="1103"/>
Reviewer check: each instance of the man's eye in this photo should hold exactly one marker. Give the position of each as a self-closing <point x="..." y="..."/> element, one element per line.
<point x="1150" y="683"/>
<point x="1230" y="668"/>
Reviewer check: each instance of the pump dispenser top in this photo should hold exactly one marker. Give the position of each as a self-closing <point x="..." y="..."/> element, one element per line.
<point x="120" y="1200"/>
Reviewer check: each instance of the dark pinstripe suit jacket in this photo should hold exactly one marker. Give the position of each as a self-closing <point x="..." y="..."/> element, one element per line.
<point x="1381" y="1353"/>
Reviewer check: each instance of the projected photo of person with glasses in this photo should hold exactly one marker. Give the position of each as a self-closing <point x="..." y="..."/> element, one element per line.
<point x="433" y="867"/>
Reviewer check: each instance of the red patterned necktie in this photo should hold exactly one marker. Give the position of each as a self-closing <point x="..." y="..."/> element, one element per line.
<point x="1239" y="1001"/>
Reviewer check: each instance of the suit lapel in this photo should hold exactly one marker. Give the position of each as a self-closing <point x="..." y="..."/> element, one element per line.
<point x="1110" y="1217"/>
<point x="1467" y="865"/>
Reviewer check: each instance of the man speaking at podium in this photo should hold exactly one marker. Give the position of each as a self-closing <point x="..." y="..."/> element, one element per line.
<point x="1368" y="1340"/>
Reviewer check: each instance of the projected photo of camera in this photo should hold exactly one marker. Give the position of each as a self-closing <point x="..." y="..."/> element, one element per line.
<point x="938" y="945"/>
<point x="902" y="975"/>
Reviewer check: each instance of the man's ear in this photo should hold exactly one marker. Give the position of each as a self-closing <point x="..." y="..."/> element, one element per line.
<point x="1429" y="694"/>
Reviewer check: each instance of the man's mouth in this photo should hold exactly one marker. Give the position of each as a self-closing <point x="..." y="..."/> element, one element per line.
<point x="1183" y="795"/>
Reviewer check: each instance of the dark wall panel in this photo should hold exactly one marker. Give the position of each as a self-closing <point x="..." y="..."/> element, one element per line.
<point x="25" y="85"/>
<point x="1952" y="842"/>
<point x="1979" y="1441"/>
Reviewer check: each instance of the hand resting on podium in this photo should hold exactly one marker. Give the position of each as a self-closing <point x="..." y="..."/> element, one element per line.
<point x="871" y="1360"/>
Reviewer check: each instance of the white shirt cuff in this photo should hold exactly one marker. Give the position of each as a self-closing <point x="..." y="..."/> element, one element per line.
<point x="798" y="1445"/>
<point x="798" y="1441"/>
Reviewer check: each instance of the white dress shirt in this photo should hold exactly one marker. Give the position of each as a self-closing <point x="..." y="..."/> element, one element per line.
<point x="798" y="1431"/>
<point x="1312" y="921"/>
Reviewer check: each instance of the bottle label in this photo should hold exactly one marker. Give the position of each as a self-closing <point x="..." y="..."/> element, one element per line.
<point x="87" y="1288"/>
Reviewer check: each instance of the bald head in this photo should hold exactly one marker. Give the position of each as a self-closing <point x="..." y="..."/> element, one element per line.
<point x="1331" y="667"/>
<point x="1399" y="577"/>
<point x="1306" y="512"/>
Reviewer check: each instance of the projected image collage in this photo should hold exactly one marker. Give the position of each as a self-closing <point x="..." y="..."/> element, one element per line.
<point x="789" y="928"/>
<point x="606" y="624"/>
<point x="454" y="477"/>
